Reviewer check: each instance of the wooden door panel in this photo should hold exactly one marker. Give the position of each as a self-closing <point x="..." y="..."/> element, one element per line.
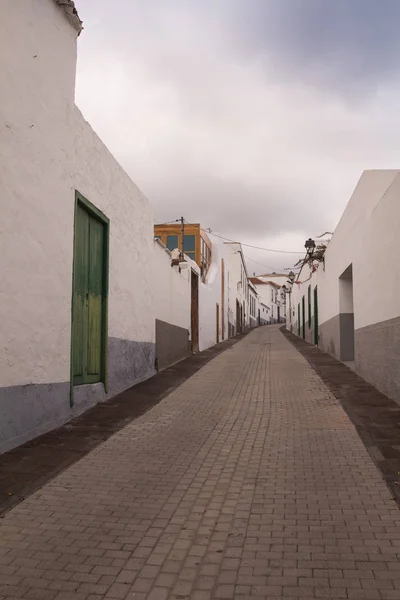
<point x="95" y="299"/>
<point x="88" y="298"/>
<point x="79" y="315"/>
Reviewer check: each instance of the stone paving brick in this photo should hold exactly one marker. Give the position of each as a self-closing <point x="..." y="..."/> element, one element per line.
<point x="248" y="481"/>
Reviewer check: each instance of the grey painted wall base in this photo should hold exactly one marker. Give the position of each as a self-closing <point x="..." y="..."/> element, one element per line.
<point x="336" y="336"/>
<point x="377" y="356"/>
<point x="27" y="411"/>
<point x="172" y="344"/>
<point x="346" y="323"/>
<point x="329" y="336"/>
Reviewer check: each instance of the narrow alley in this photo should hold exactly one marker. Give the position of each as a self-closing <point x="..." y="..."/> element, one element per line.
<point x="248" y="481"/>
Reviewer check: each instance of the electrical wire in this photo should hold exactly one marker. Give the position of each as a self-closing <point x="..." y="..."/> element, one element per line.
<point x="266" y="266"/>
<point x="249" y="245"/>
<point x="236" y="242"/>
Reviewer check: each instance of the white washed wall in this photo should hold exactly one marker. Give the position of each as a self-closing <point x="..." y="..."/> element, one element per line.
<point x="365" y="237"/>
<point x="37" y="82"/>
<point x="172" y="290"/>
<point x="99" y="178"/>
<point x="47" y="151"/>
<point x="210" y="294"/>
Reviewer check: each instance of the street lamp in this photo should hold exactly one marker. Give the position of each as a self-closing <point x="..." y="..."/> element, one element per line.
<point x="289" y="291"/>
<point x="309" y="246"/>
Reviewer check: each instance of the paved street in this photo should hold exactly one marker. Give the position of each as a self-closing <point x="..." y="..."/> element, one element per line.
<point x="247" y="481"/>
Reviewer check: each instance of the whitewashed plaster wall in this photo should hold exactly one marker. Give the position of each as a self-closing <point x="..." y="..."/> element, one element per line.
<point x="237" y="280"/>
<point x="47" y="151"/>
<point x="98" y="177"/>
<point x="210" y="294"/>
<point x="364" y="238"/>
<point x="37" y="82"/>
<point x="172" y="291"/>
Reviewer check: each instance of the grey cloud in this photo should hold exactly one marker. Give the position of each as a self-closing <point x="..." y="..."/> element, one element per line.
<point x="345" y="46"/>
<point x="254" y="117"/>
<point x="239" y="211"/>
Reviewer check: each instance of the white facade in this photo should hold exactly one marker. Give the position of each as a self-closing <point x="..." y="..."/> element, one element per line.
<point x="239" y="294"/>
<point x="273" y="299"/>
<point x="213" y="298"/>
<point x="47" y="151"/>
<point x="225" y="287"/>
<point x="171" y="287"/>
<point x="358" y="287"/>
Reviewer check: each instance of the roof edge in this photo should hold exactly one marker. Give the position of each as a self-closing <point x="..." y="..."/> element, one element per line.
<point x="68" y="7"/>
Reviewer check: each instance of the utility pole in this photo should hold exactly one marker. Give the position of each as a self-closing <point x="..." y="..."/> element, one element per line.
<point x="183" y="237"/>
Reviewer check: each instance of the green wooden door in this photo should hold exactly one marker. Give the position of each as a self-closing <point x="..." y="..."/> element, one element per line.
<point x="303" y="314"/>
<point x="316" y="316"/>
<point x="88" y="309"/>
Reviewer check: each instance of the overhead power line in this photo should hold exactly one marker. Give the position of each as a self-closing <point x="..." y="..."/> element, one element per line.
<point x="262" y="265"/>
<point x="241" y="243"/>
<point x="250" y="245"/>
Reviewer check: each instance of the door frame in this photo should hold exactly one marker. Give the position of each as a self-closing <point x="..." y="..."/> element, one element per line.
<point x="217" y="321"/>
<point x="316" y="333"/>
<point x="96" y="213"/>
<point x="194" y="311"/>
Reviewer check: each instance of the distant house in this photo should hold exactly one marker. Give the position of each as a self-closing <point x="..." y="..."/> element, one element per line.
<point x="196" y="244"/>
<point x="271" y="296"/>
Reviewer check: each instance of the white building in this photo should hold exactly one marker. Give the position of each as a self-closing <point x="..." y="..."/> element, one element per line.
<point x="272" y="297"/>
<point x="74" y="226"/>
<point x="238" y="286"/>
<point x="254" y="306"/>
<point x="350" y="304"/>
<point x="195" y="310"/>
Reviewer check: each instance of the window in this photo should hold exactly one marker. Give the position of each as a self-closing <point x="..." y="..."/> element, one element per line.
<point x="189" y="246"/>
<point x="172" y="242"/>
<point x="205" y="258"/>
<point x="272" y="295"/>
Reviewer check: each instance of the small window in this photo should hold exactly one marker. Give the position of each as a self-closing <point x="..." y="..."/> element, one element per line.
<point x="172" y="242"/>
<point x="189" y="243"/>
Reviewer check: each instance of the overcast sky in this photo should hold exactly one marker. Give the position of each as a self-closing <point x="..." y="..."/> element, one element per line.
<point x="254" y="117"/>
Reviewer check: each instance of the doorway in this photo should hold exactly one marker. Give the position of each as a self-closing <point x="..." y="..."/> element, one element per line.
<point x="222" y="299"/>
<point x="303" y="315"/>
<point x="89" y="294"/>
<point x="346" y="315"/>
<point x="194" y="312"/>
<point x="238" y="317"/>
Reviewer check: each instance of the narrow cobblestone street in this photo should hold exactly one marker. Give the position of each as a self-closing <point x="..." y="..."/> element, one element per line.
<point x="248" y="481"/>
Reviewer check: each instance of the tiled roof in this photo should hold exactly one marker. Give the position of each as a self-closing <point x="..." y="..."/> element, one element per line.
<point x="68" y="6"/>
<point x="258" y="281"/>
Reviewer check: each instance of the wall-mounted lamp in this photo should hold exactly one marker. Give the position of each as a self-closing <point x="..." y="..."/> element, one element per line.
<point x="309" y="246"/>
